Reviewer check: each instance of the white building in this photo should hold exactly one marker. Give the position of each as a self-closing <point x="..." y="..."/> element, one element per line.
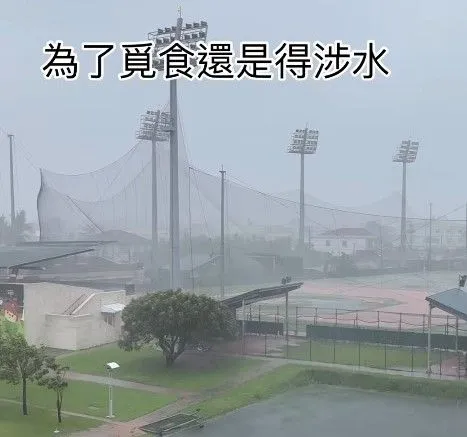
<point x="345" y="240"/>
<point x="71" y="318"/>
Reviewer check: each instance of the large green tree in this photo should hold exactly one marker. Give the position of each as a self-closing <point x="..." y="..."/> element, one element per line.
<point x="173" y="320"/>
<point x="20" y="362"/>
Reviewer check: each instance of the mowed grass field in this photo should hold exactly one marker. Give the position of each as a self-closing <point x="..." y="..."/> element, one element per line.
<point x="90" y="399"/>
<point x="39" y="423"/>
<point x="190" y="372"/>
<point x="366" y="355"/>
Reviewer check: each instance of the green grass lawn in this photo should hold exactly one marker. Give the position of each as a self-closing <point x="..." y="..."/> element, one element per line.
<point x="39" y="423"/>
<point x="92" y="399"/>
<point x="369" y="355"/>
<point x="263" y="387"/>
<point x="191" y="372"/>
<point x="291" y="376"/>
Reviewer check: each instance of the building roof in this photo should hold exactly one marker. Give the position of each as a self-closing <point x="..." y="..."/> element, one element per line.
<point x="23" y="256"/>
<point x="199" y="260"/>
<point x="348" y="232"/>
<point x="260" y="294"/>
<point x="452" y="301"/>
<point x="123" y="237"/>
<point x="112" y="308"/>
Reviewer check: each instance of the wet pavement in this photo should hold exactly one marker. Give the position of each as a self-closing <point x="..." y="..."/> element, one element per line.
<point x="327" y="411"/>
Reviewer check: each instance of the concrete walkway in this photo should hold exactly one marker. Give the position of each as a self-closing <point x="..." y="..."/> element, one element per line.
<point x="130" y="429"/>
<point x="104" y="380"/>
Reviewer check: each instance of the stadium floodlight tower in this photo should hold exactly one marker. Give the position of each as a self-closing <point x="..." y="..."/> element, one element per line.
<point x="304" y="142"/>
<point x="406" y="154"/>
<point x="154" y="127"/>
<point x="188" y="35"/>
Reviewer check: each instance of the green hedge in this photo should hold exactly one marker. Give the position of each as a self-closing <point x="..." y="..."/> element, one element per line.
<point x="383" y="382"/>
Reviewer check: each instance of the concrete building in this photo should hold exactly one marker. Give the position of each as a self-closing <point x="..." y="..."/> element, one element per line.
<point x="71" y="318"/>
<point x="345" y="240"/>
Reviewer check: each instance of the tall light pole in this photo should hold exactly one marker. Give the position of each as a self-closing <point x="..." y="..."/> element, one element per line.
<point x="12" y="192"/>
<point x="222" y="172"/>
<point x="154" y="127"/>
<point x="406" y="154"/>
<point x="189" y="35"/>
<point x="110" y="367"/>
<point x="304" y="142"/>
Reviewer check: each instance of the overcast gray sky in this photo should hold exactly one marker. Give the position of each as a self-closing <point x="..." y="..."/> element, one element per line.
<point x="79" y="126"/>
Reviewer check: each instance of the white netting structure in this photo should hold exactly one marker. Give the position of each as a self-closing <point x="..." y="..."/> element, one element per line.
<point x="118" y="197"/>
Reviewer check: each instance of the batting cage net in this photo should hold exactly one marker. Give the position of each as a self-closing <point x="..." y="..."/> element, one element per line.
<point x="118" y="197"/>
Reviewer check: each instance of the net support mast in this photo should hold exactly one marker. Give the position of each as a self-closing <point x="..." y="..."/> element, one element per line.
<point x="189" y="34"/>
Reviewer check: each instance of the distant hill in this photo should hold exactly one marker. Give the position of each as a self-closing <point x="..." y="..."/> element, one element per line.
<point x="321" y="215"/>
<point x="388" y="206"/>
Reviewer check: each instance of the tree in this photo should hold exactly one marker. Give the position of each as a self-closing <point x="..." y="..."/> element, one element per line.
<point x="173" y="320"/>
<point x="55" y="379"/>
<point x="20" y="362"/>
<point x="21" y="227"/>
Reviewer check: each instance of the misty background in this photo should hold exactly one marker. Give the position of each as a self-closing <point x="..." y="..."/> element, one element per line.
<point x="76" y="127"/>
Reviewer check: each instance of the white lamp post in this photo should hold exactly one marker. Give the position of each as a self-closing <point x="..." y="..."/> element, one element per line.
<point x="111" y="366"/>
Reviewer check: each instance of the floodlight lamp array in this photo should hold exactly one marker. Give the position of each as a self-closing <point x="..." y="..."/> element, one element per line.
<point x="155" y="125"/>
<point x="191" y="35"/>
<point x="407" y="152"/>
<point x="304" y="141"/>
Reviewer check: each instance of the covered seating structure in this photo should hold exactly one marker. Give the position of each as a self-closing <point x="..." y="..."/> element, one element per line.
<point x="259" y="295"/>
<point x="453" y="302"/>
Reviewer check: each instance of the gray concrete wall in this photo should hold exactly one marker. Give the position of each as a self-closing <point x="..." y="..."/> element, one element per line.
<point x="46" y="324"/>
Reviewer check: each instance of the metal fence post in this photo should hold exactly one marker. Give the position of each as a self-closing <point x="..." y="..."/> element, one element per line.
<point x="310" y="346"/>
<point x="265" y="344"/>
<point x="316" y="316"/>
<point x="411" y="368"/>
<point x="359" y="359"/>
<point x="296" y="321"/>
<point x="334" y="342"/>
<point x="385" y="356"/>
<point x="440" y="361"/>
<point x="378" y="319"/>
<point x="259" y="321"/>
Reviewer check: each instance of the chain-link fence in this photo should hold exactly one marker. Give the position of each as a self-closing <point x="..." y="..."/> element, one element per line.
<point x="378" y="339"/>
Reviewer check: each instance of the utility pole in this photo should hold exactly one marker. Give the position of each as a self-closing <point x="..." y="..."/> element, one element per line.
<point x="304" y="142"/>
<point x="429" y="245"/>
<point x="222" y="172"/>
<point x="406" y="154"/>
<point x="12" y="192"/>
<point x="188" y="35"/>
<point x="191" y="235"/>
<point x="466" y="232"/>
<point x="381" y="245"/>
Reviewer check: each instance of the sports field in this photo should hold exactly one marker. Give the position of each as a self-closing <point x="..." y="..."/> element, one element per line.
<point x="327" y="411"/>
<point x="399" y="299"/>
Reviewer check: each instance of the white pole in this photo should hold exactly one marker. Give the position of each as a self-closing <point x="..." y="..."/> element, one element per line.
<point x="429" y="342"/>
<point x="111" y="415"/>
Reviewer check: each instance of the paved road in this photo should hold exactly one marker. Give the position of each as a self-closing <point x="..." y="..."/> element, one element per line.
<point x="326" y="411"/>
<point x="125" y="384"/>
